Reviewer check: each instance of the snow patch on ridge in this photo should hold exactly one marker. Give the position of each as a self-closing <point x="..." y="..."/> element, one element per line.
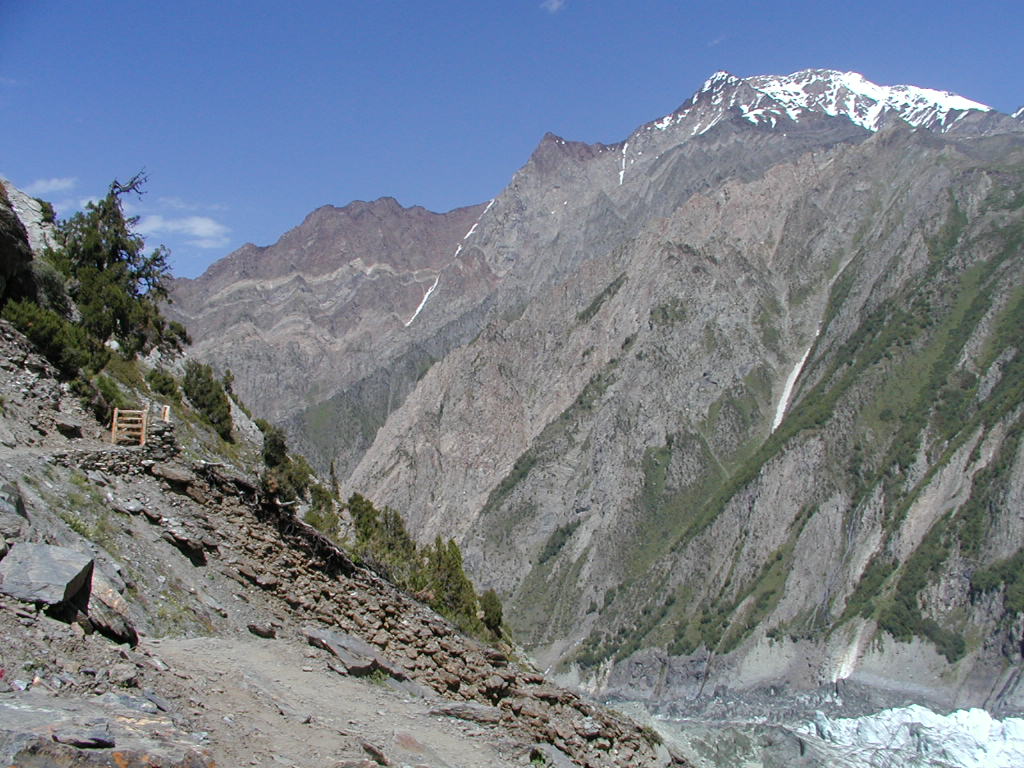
<point x="473" y="228"/>
<point x="423" y="301"/>
<point x="768" y="99"/>
<point x="851" y="95"/>
<point x="787" y="391"/>
<point x="458" y="250"/>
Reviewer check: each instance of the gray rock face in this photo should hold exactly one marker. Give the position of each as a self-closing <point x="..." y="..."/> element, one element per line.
<point x="13" y="518"/>
<point x="40" y="573"/>
<point x="15" y="251"/>
<point x="39" y="234"/>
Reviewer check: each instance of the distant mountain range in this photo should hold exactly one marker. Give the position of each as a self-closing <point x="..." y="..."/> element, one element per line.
<point x="736" y="401"/>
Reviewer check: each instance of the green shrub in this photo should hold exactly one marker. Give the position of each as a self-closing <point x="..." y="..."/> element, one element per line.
<point x="48" y="215"/>
<point x="1008" y="572"/>
<point x="490" y="604"/>
<point x="321" y="514"/>
<point x="163" y="383"/>
<point x="861" y="602"/>
<point x="557" y="540"/>
<point x="206" y="393"/>
<point x="178" y="335"/>
<point x="435" y="570"/>
<point x="901" y="617"/>
<point x="51" y="292"/>
<point x="68" y="346"/>
<point x="275" y="445"/>
<point x="586" y="315"/>
<point x="113" y="394"/>
<point x="287" y="477"/>
<point x="453" y="592"/>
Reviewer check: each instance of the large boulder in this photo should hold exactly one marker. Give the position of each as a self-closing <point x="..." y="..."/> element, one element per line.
<point x="176" y="476"/>
<point x="15" y="252"/>
<point x="357" y="656"/>
<point x="41" y="573"/>
<point x="109" y="611"/>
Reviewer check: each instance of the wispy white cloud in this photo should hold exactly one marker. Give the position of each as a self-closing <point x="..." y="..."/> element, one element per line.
<point x="553" y="6"/>
<point x="716" y="41"/>
<point x="49" y="186"/>
<point x="203" y="231"/>
<point x="177" y="204"/>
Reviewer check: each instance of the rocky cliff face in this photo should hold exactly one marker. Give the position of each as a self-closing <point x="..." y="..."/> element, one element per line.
<point x="15" y="245"/>
<point x="742" y="401"/>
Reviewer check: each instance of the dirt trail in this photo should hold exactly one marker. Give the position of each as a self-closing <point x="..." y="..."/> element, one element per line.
<point x="275" y="702"/>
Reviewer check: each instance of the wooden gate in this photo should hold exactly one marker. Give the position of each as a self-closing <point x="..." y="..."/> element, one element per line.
<point x="130" y="426"/>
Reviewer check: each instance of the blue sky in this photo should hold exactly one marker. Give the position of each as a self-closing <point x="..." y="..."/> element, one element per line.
<point x="247" y="114"/>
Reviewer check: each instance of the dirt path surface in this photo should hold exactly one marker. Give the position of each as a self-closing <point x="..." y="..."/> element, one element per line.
<point x="275" y="702"/>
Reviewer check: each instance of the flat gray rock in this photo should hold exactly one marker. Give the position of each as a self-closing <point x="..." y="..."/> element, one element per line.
<point x="41" y="573"/>
<point x="358" y="657"/>
<point x="68" y="426"/>
<point x="95" y="735"/>
<point x="13" y="518"/>
<point x="131" y="506"/>
<point x="172" y="474"/>
<point x="75" y="732"/>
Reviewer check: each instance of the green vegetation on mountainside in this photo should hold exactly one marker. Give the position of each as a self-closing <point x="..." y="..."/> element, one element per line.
<point x="922" y="372"/>
<point x="379" y="539"/>
<point x="433" y="572"/>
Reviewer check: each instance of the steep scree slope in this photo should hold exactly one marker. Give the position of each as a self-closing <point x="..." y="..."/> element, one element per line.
<point x="604" y="448"/>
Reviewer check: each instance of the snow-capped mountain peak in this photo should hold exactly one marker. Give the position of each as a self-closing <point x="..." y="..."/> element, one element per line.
<point x="1019" y="114"/>
<point x="767" y="98"/>
<point x="852" y="95"/>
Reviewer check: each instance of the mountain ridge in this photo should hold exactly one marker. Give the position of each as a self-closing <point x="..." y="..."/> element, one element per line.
<point x="604" y="419"/>
<point x="321" y="276"/>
